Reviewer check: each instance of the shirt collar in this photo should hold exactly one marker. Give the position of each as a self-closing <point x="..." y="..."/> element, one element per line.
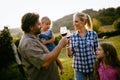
<point x="102" y="66"/>
<point x="87" y="32"/>
<point x="29" y="35"/>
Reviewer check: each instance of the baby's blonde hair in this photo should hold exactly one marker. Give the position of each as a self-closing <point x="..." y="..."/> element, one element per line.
<point x="44" y="19"/>
<point x="85" y="17"/>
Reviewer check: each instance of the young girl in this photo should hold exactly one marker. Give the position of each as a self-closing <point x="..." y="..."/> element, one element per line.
<point x="47" y="38"/>
<point x="107" y="66"/>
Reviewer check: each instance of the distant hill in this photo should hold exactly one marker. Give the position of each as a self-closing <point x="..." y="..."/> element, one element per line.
<point x="105" y="16"/>
<point x="64" y="21"/>
<point x="16" y="32"/>
<point x="68" y="20"/>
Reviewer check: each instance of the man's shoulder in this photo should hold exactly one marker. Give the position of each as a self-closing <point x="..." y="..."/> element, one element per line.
<point x="26" y="40"/>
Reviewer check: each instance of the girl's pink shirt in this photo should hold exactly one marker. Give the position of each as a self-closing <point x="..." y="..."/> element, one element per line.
<point x="108" y="73"/>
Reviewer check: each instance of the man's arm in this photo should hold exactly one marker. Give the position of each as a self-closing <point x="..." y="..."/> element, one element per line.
<point x="52" y="56"/>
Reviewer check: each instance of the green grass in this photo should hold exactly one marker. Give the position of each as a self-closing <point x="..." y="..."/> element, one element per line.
<point x="115" y="41"/>
<point x="67" y="62"/>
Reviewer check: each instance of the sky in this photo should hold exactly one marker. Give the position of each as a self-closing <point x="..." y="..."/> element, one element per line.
<point x="11" y="11"/>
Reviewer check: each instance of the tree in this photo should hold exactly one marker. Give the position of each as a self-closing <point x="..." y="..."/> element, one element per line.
<point x="116" y="24"/>
<point x="106" y="16"/>
<point x="96" y="25"/>
<point x="8" y="67"/>
<point x="6" y="51"/>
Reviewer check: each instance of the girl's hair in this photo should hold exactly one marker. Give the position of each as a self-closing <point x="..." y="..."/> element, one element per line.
<point x="111" y="59"/>
<point x="85" y="17"/>
<point x="44" y="19"/>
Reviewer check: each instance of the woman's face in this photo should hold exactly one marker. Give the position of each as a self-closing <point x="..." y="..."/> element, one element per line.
<point x="77" y="23"/>
<point x="100" y="53"/>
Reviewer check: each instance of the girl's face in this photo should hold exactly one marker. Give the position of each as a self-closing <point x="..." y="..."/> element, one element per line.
<point x="77" y="23"/>
<point x="100" y="53"/>
<point x="45" y="25"/>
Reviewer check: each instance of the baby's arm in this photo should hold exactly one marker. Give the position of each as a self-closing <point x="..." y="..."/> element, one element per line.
<point x="48" y="41"/>
<point x="60" y="66"/>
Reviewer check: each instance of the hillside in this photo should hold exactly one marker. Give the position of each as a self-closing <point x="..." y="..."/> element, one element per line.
<point x="104" y="16"/>
<point x="65" y="21"/>
<point x="16" y="32"/>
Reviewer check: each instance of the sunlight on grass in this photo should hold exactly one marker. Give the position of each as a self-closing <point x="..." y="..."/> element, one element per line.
<point x="107" y="28"/>
<point x="116" y="42"/>
<point x="67" y="64"/>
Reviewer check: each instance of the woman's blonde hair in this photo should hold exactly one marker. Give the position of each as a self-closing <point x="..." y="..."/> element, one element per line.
<point x="85" y="17"/>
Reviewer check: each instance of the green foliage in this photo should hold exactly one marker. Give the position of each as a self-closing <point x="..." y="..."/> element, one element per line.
<point x="117" y="11"/>
<point x="106" y="16"/>
<point x="57" y="38"/>
<point x="8" y="67"/>
<point x="96" y="25"/>
<point x="11" y="73"/>
<point x="116" y="24"/>
<point x="6" y="51"/>
<point x="91" y="12"/>
<point x="109" y="34"/>
<point x="16" y="41"/>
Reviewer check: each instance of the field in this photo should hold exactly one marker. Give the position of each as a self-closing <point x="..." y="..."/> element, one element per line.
<point x="107" y="28"/>
<point x="67" y="62"/>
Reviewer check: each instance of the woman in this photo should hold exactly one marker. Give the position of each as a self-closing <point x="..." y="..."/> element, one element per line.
<point x="82" y="46"/>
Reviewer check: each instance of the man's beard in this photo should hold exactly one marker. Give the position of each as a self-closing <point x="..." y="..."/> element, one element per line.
<point x="37" y="32"/>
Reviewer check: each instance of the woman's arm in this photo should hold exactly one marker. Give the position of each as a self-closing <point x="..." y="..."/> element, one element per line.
<point x="68" y="51"/>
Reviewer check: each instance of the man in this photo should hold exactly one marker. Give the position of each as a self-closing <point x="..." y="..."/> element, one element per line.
<point x="40" y="63"/>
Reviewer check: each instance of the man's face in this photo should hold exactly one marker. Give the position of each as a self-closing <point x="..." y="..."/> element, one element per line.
<point x="36" y="28"/>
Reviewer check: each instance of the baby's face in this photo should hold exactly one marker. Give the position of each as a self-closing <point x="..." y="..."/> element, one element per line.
<point x="46" y="25"/>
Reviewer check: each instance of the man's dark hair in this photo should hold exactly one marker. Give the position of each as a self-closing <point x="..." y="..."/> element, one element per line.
<point x="29" y="19"/>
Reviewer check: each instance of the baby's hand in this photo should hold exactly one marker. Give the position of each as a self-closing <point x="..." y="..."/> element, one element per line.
<point x="44" y="41"/>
